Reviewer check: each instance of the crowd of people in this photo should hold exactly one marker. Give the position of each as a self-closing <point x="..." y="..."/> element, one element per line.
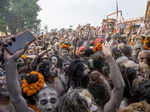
<point x="89" y="69"/>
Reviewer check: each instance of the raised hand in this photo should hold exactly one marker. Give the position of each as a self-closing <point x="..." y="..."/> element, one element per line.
<point x="107" y="49"/>
<point x="15" y="56"/>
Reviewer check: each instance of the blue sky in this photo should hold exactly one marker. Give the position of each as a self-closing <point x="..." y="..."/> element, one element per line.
<point x="63" y="13"/>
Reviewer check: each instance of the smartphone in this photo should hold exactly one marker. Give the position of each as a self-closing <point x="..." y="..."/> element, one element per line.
<point x="19" y="42"/>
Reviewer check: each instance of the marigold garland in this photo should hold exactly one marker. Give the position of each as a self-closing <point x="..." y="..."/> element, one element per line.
<point x="97" y="47"/>
<point x="34" y="107"/>
<point x="142" y="40"/>
<point x="63" y="45"/>
<point x="145" y="45"/>
<point x="131" y="40"/>
<point x="131" y="44"/>
<point x="31" y="89"/>
<point x="23" y="57"/>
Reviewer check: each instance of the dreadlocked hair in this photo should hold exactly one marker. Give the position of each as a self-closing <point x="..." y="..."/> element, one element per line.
<point x="75" y="74"/>
<point x="128" y="74"/>
<point x="137" y="107"/>
<point x="43" y="68"/>
<point x="98" y="88"/>
<point x="148" y="59"/>
<point x="141" y="92"/>
<point x="101" y="66"/>
<point x="2" y="56"/>
<point x="74" y="102"/>
<point x="126" y="49"/>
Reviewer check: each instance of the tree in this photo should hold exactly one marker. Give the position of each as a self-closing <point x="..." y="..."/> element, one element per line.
<point x="46" y="28"/>
<point x="4" y="7"/>
<point x="21" y="15"/>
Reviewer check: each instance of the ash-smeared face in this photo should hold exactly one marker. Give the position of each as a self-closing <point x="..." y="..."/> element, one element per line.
<point x="142" y="57"/>
<point x="86" y="70"/>
<point x="54" y="60"/>
<point x="65" y="65"/>
<point x="143" y="65"/>
<point x="64" y="52"/>
<point x="47" y="100"/>
<point x="145" y="71"/>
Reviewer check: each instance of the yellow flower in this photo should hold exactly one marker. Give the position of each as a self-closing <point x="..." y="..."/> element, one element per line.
<point x="65" y="46"/>
<point x="145" y="45"/>
<point x="97" y="47"/>
<point x="23" y="57"/>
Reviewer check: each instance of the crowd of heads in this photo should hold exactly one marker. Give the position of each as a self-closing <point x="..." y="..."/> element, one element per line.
<point x="67" y="71"/>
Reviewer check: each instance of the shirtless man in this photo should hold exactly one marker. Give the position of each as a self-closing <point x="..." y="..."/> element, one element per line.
<point x="47" y="99"/>
<point x="115" y="97"/>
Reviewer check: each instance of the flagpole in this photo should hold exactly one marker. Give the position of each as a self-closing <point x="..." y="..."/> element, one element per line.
<point x="117" y="10"/>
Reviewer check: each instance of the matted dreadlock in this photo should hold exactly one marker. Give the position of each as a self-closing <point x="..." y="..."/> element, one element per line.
<point x="76" y="76"/>
<point x="44" y="68"/>
<point x="99" y="88"/>
<point x="137" y="107"/>
<point x="141" y="92"/>
<point x="76" y="100"/>
<point x="129" y="74"/>
<point x="101" y="65"/>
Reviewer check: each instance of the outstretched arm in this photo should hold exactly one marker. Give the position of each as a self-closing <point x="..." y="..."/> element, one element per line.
<point x="13" y="84"/>
<point x="118" y="82"/>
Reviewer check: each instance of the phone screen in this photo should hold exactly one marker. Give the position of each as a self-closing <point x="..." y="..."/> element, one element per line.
<point x="20" y="41"/>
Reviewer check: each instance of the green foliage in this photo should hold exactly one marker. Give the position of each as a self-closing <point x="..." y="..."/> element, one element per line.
<point x="19" y="15"/>
<point x="3" y="11"/>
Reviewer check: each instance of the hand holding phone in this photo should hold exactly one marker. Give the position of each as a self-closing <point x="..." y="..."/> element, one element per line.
<point x="19" y="42"/>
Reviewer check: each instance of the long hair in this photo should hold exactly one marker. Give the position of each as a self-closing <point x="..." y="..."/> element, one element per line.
<point x="99" y="88"/>
<point x="101" y="66"/>
<point x="141" y="92"/>
<point x="43" y="68"/>
<point x="74" y="102"/>
<point x="75" y="74"/>
<point x="128" y="74"/>
<point x="2" y="56"/>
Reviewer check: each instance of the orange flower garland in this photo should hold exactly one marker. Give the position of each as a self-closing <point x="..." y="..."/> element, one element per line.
<point x="131" y="40"/>
<point x="23" y="57"/>
<point x="131" y="44"/>
<point x="142" y="40"/>
<point x="97" y="47"/>
<point x="63" y="45"/>
<point x="145" y="46"/>
<point x="31" y="89"/>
